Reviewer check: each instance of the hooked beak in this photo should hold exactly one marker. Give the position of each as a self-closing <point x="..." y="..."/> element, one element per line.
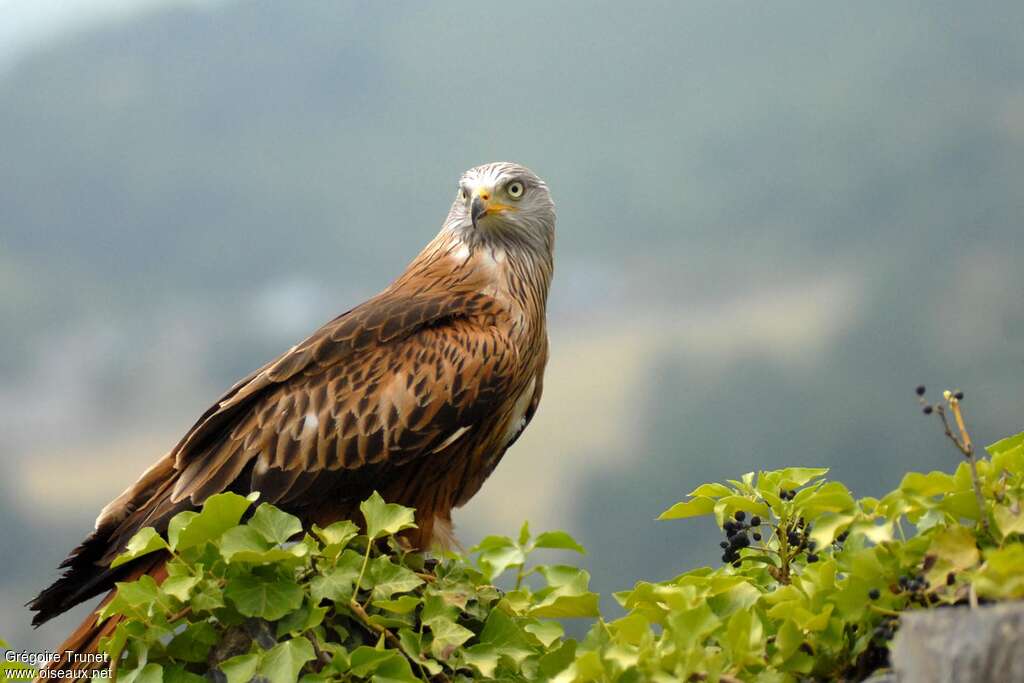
<point x="484" y="204"/>
<point x="477" y="209"/>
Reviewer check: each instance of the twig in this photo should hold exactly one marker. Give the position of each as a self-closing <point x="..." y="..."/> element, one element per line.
<point x="377" y="628"/>
<point x="966" y="447"/>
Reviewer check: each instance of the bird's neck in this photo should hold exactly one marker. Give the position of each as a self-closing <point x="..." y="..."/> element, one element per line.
<point x="515" y="273"/>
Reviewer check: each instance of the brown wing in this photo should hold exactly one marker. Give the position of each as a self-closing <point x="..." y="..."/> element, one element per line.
<point x="382" y="384"/>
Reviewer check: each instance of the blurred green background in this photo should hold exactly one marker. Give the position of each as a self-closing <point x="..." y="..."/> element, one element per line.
<point x="775" y="219"/>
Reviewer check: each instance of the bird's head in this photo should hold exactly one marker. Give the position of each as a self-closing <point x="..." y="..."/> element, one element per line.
<point x="503" y="201"/>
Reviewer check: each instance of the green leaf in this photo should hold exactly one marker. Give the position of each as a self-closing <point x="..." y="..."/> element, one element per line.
<point x="503" y="634"/>
<point x="931" y="484"/>
<point x="385" y="519"/>
<point x="275" y="525"/>
<point x="558" y="540"/>
<point x="283" y="662"/>
<point x="301" y="620"/>
<point x="447" y="636"/>
<point x="389" y="578"/>
<point x="268" y="597"/>
<point x="524" y="534"/>
<point x="547" y="632"/>
<point x="194" y="643"/>
<point x="1009" y="519"/>
<point x="208" y="597"/>
<point x="244" y="543"/>
<point x="179" y="587"/>
<point x="336" y="536"/>
<point x="830" y="497"/>
<point x="220" y="512"/>
<point x="240" y="669"/>
<point x="178" y="674"/>
<point x="381" y="665"/>
<point x="337" y="584"/>
<point x="710" y="491"/>
<point x="140" y="599"/>
<point x="144" y="542"/>
<point x="498" y="553"/>
<point x="793" y="477"/>
<point x="702" y="505"/>
<point x="483" y="658"/>
<point x="566" y="595"/>
<point x="150" y="673"/>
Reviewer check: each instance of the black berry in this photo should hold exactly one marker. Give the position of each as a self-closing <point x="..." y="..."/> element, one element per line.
<point x="950" y="578"/>
<point x="755" y="521"/>
<point x="927" y="410"/>
<point x="874" y="594"/>
<point x="724" y="544"/>
<point x="959" y="395"/>
<point x="757" y="536"/>
<point x="920" y="390"/>
<point x="740" y="515"/>
<point x="812" y="558"/>
<point x="793" y="538"/>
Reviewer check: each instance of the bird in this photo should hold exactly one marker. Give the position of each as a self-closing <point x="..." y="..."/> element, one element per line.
<point x="417" y="393"/>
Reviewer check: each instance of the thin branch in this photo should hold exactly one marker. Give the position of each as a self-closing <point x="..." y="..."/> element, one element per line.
<point x="967" y="448"/>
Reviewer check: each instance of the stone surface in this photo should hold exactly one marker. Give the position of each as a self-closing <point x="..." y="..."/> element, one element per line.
<point x="961" y="645"/>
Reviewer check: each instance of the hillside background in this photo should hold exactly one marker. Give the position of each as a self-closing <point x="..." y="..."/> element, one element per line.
<point x="774" y="220"/>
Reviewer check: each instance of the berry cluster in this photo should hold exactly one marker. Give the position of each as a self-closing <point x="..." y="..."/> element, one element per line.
<point x="737" y="538"/>
<point x="928" y="408"/>
<point x="787" y="495"/>
<point x="799" y="539"/>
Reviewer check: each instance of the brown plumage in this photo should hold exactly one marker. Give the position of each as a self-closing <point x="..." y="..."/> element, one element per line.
<point x="416" y="393"/>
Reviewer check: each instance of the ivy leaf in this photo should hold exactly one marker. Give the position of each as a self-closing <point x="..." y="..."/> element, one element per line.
<point x="240" y="669"/>
<point x="244" y="543"/>
<point x="145" y="541"/>
<point x="498" y="553"/>
<point x="267" y="597"/>
<point x="337" y="584"/>
<point x="559" y="540"/>
<point x="447" y="636"/>
<point x="336" y="536"/>
<point x="149" y="673"/>
<point x="505" y="636"/>
<point x="179" y="587"/>
<point x="178" y="674"/>
<point x="566" y="595"/>
<point x="194" y="643"/>
<point x="547" y="632"/>
<point x="403" y="605"/>
<point x="701" y="505"/>
<point x="276" y="526"/>
<point x="220" y="512"/>
<point x="1009" y="519"/>
<point x="283" y="662"/>
<point x="301" y="620"/>
<point x="385" y="519"/>
<point x="381" y="665"/>
<point x="389" y="578"/>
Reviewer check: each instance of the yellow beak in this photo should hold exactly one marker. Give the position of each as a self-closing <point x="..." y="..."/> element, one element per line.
<point x="483" y="204"/>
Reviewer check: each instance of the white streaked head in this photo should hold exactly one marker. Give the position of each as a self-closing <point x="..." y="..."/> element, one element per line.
<point x="505" y="203"/>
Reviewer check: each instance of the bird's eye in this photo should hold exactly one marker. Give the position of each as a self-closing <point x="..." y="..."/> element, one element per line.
<point x="515" y="189"/>
<point x="462" y="194"/>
